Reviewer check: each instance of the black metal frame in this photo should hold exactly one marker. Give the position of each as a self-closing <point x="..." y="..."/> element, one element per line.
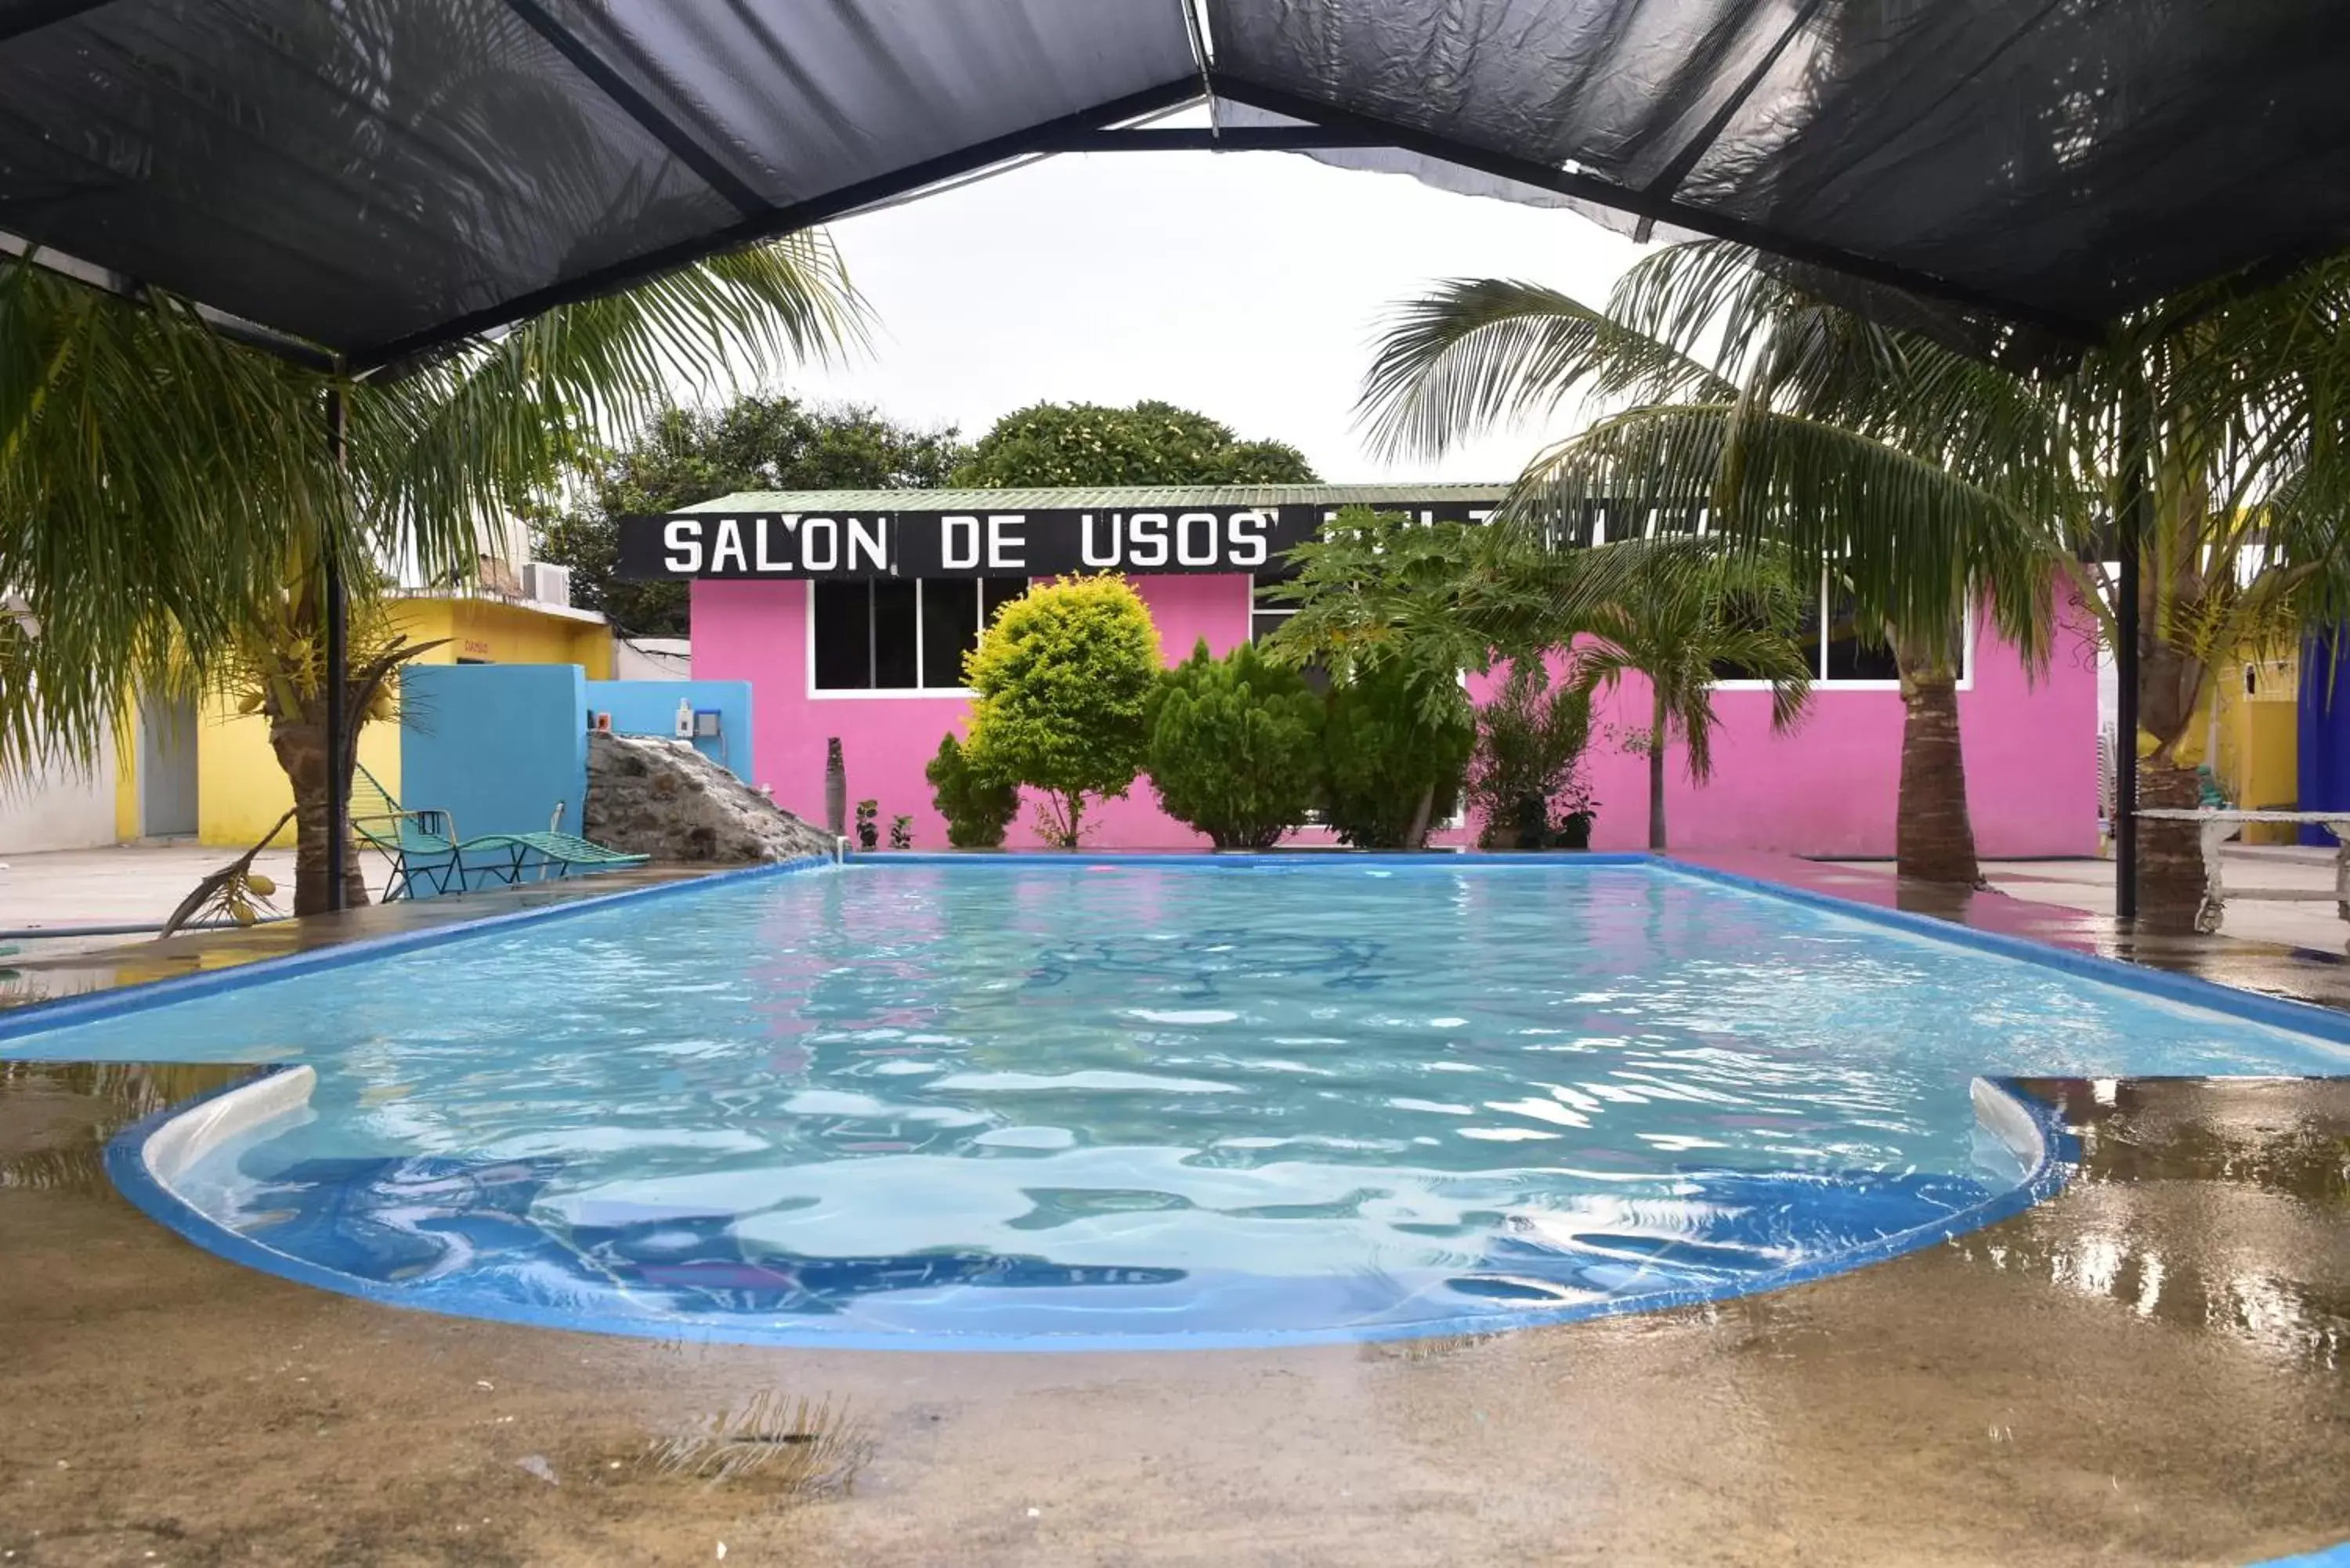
<point x="1322" y="126"/>
<point x="1656" y="207"/>
<point x="770" y="223"/>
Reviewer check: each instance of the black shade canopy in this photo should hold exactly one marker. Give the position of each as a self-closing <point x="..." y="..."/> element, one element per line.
<point x="377" y="177"/>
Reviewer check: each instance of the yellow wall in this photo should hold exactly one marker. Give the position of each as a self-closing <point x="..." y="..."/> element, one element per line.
<point x="126" y="772"/>
<point x="2258" y="760"/>
<point x="241" y="789"/>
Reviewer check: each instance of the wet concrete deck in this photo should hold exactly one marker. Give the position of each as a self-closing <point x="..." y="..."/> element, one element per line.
<point x="2148" y="1370"/>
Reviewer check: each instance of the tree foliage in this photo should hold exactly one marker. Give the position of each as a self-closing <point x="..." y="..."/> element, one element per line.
<point x="979" y="809"/>
<point x="684" y="456"/>
<point x="1150" y="443"/>
<point x="1526" y="776"/>
<point x="1375" y="588"/>
<point x="1396" y="743"/>
<point x="169" y="499"/>
<point x="1061" y="685"/>
<point x="1235" y="746"/>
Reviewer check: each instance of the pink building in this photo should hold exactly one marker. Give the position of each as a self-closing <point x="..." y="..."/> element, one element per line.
<point x="848" y="613"/>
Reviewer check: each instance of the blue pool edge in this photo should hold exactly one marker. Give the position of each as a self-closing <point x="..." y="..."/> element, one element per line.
<point x="129" y="1166"/>
<point x="63" y="1011"/>
<point x="2303" y="1018"/>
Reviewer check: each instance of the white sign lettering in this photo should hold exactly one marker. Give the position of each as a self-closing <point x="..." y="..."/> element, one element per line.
<point x="1006" y="550"/>
<point x="958" y="541"/>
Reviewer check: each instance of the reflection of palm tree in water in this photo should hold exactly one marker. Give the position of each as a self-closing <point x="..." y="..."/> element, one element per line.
<point x="1197" y="964"/>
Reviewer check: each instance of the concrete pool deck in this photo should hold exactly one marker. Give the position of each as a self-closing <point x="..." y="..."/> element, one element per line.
<point x="2149" y="1368"/>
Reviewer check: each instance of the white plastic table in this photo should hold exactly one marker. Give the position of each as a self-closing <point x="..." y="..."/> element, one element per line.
<point x="2219" y="824"/>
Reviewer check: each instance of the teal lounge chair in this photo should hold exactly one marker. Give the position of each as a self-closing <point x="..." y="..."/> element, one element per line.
<point x="564" y="853"/>
<point x="423" y="845"/>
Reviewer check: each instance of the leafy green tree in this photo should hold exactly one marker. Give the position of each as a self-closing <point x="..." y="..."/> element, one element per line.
<point x="1376" y="588"/>
<point x="1061" y="685"/>
<point x="979" y="809"/>
<point x="1395" y="611"/>
<point x="1682" y="614"/>
<point x="1695" y="328"/>
<point x="1530" y="737"/>
<point x="1235" y="746"/>
<point x="683" y="456"/>
<point x="1925" y="482"/>
<point x="125" y="426"/>
<point x="1149" y="443"/>
<point x="1394" y="754"/>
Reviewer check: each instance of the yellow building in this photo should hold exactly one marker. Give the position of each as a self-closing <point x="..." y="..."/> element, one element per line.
<point x="230" y="790"/>
<point x="2253" y="729"/>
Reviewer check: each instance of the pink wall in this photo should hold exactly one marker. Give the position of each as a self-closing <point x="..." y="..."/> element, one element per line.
<point x="1828" y="788"/>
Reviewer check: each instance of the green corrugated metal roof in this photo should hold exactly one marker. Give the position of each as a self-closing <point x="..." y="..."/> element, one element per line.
<point x="1097" y="498"/>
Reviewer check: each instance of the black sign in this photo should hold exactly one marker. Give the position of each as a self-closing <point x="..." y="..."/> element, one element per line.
<point x="1144" y="542"/>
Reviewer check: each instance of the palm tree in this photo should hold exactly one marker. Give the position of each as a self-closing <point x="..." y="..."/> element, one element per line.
<point x="169" y="499"/>
<point x="1683" y="614"/>
<point x="1910" y="471"/>
<point x="1730" y="360"/>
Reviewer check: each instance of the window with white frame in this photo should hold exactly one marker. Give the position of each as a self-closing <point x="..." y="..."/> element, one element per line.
<point x="1840" y="654"/>
<point x="891" y="635"/>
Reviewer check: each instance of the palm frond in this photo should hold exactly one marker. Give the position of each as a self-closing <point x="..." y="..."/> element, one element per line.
<point x="1474" y="354"/>
<point x="458" y="443"/>
<point x="152" y="476"/>
<point x="1911" y="539"/>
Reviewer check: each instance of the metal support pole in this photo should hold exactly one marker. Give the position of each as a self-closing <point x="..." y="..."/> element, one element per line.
<point x="2129" y="534"/>
<point x="338" y="778"/>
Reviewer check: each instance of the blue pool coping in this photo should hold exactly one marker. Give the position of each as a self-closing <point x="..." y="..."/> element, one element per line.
<point x="2324" y="1557"/>
<point x="63" y="1011"/>
<point x="2300" y="1017"/>
<point x="126" y="1166"/>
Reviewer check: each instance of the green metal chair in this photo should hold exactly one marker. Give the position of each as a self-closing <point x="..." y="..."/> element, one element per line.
<point x="423" y="843"/>
<point x="563" y="853"/>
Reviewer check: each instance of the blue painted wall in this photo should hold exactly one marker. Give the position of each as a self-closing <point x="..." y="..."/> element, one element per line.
<point x="2324" y="738"/>
<point x="495" y="745"/>
<point x="650" y="708"/>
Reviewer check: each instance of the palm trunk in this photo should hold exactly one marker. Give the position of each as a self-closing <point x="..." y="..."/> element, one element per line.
<point x="2170" y="854"/>
<point x="1933" y="836"/>
<point x="1657" y="776"/>
<point x="301" y="747"/>
<point x="1415" y="835"/>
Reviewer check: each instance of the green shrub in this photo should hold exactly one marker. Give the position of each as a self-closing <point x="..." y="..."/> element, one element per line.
<point x="1061" y="682"/>
<point x="1235" y="746"/>
<point x="1530" y="742"/>
<point x="978" y="809"/>
<point x="1395" y="746"/>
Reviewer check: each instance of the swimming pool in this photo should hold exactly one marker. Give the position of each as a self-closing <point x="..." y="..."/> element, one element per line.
<point x="1026" y="1101"/>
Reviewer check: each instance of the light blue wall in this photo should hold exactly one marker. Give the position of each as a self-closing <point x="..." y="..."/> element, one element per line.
<point x="495" y="745"/>
<point x="650" y="708"/>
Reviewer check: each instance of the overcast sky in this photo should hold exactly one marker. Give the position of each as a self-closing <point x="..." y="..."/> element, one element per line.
<point x="1247" y="285"/>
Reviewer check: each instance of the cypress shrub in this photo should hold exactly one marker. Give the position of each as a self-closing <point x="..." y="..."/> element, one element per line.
<point x="1395" y="744"/>
<point x="978" y="809"/>
<point x="1235" y="747"/>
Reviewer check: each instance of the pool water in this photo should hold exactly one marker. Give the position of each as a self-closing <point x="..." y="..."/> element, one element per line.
<point x="1028" y="1100"/>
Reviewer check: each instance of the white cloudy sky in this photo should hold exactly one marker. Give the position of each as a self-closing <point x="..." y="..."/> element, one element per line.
<point x="1247" y="285"/>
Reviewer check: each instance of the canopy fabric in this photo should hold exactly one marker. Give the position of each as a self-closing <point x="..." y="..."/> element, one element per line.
<point x="378" y="177"/>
